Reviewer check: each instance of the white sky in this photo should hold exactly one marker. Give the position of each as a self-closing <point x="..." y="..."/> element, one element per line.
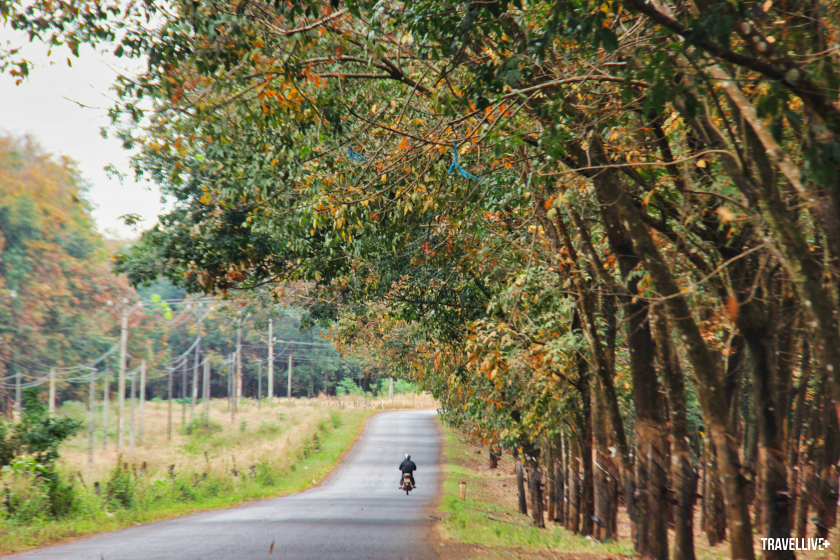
<point x="44" y="106"/>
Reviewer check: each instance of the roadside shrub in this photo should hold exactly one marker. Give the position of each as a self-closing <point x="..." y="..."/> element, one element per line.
<point x="7" y="447"/>
<point x="348" y="387"/>
<point x="269" y="429"/>
<point x="25" y="499"/>
<point x="25" y="496"/>
<point x="199" y="427"/>
<point x="62" y="495"/>
<point x="401" y="386"/>
<point x="305" y="448"/>
<point x="36" y="435"/>
<point x="188" y="492"/>
<point x="335" y="418"/>
<point x="119" y="489"/>
<point x="158" y="492"/>
<point x="266" y="475"/>
<point x="75" y="410"/>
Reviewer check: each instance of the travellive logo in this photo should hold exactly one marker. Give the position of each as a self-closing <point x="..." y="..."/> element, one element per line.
<point x="794" y="544"/>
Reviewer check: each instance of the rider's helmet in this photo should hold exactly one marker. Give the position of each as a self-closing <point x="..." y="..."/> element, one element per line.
<point x="407" y="456"/>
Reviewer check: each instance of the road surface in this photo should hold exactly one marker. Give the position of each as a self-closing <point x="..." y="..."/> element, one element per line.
<point x="358" y="513"/>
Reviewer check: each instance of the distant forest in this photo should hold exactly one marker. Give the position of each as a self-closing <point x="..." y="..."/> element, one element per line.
<point x="61" y="305"/>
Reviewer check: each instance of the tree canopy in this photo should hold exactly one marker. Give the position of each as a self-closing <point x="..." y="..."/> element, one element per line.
<point x="574" y="219"/>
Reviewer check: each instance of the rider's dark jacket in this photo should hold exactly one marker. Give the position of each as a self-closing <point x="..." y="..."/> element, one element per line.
<point x="408" y="466"/>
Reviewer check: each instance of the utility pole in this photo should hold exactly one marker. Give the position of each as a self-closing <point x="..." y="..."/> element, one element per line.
<point x="169" y="424"/>
<point x="231" y="389"/>
<point x="105" y="410"/>
<point x="195" y="371"/>
<point x="259" y="386"/>
<point x="270" y="364"/>
<point x="184" y="392"/>
<point x="238" y="386"/>
<point x="91" y="418"/>
<point x="142" y="396"/>
<point x="206" y="397"/>
<point x="289" y="389"/>
<point x="390" y="387"/>
<point x="121" y="381"/>
<point x="133" y="406"/>
<point x="52" y="391"/>
<point x="18" y="405"/>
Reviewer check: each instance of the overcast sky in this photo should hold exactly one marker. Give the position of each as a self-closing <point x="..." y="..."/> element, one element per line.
<point x="46" y="106"/>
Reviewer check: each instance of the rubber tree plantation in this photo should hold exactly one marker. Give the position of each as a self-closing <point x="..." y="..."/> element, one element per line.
<point x="604" y="234"/>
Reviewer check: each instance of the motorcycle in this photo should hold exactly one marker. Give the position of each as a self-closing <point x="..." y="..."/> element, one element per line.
<point x="406" y="485"/>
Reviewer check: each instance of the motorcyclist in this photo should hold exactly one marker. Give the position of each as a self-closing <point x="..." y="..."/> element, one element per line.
<point x="408" y="466"/>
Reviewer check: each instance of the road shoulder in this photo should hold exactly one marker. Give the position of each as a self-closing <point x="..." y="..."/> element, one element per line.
<point x="486" y="525"/>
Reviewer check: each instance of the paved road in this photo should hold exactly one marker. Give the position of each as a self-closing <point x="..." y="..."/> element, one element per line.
<point x="358" y="513"/>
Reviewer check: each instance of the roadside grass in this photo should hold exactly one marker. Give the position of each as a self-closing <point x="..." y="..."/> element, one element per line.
<point x="276" y="451"/>
<point x="486" y="519"/>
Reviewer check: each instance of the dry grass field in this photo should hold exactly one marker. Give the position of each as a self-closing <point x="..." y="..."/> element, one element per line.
<point x="257" y="434"/>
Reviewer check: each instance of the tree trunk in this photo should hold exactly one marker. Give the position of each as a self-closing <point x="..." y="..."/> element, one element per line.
<point x="705" y="369"/>
<point x="766" y="323"/>
<point x="494" y="454"/>
<point x="683" y="474"/>
<point x="715" y="520"/>
<point x="799" y="415"/>
<point x="806" y="491"/>
<point x="651" y="535"/>
<point x="704" y="488"/>
<point x="605" y="487"/>
<point x="520" y="486"/>
<point x="559" y="481"/>
<point x="585" y="320"/>
<point x="807" y="465"/>
<point x="826" y="503"/>
<point x="550" y="481"/>
<point x="532" y="456"/>
<point x="651" y="506"/>
<point x="587" y="506"/>
<point x="573" y="517"/>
